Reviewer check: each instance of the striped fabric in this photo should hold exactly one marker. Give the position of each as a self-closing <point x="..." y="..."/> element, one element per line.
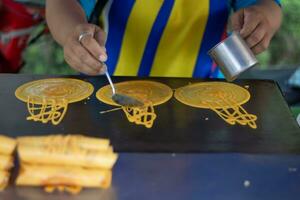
<point x="166" y="38"/>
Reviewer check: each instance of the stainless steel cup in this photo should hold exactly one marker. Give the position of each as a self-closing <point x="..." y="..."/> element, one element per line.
<point x="233" y="56"/>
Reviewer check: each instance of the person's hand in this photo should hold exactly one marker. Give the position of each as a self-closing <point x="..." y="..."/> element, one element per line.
<point x="253" y="25"/>
<point x="87" y="53"/>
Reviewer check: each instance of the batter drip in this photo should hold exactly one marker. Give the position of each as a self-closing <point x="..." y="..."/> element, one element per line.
<point x="223" y="98"/>
<point x="149" y="92"/>
<point x="47" y="99"/>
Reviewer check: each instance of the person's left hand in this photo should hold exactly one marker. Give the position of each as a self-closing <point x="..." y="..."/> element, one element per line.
<point x="253" y="25"/>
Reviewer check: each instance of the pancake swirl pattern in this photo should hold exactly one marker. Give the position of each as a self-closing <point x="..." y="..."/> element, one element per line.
<point x="225" y="99"/>
<point x="149" y="92"/>
<point x="47" y="99"/>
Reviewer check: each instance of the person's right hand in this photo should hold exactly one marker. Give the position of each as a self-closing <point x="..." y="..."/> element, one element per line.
<point x="88" y="54"/>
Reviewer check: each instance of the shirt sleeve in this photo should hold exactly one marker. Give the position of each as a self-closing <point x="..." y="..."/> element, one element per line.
<point x="88" y="6"/>
<point x="238" y="4"/>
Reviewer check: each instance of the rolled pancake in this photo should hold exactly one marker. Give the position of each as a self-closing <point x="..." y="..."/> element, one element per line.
<point x="4" y="178"/>
<point x="7" y="145"/>
<point x="37" y="175"/>
<point x="6" y="162"/>
<point x="92" y="143"/>
<point x="66" y="156"/>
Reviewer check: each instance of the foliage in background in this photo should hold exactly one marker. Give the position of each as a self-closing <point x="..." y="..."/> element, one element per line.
<point x="46" y="56"/>
<point x="284" y="50"/>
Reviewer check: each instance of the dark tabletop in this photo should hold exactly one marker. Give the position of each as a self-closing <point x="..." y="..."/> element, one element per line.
<point x="220" y="176"/>
<point x="281" y="76"/>
<point x="183" y="156"/>
<point x="178" y="128"/>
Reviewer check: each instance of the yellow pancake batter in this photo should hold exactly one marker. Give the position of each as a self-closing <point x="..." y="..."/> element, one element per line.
<point x="48" y="99"/>
<point x="223" y="98"/>
<point x="149" y="92"/>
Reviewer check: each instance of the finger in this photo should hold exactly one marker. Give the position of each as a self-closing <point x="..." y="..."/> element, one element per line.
<point x="262" y="46"/>
<point x="257" y="36"/>
<point x="85" y="57"/>
<point x="76" y="64"/>
<point x="237" y="20"/>
<point x="100" y="37"/>
<point x="89" y="29"/>
<point x="93" y="47"/>
<point x="251" y="21"/>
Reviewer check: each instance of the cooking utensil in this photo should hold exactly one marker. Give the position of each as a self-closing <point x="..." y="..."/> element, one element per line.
<point x="233" y="56"/>
<point x="122" y="99"/>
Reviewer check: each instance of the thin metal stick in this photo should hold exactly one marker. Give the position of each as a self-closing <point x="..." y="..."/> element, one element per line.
<point x="110" y="82"/>
<point x="111" y="110"/>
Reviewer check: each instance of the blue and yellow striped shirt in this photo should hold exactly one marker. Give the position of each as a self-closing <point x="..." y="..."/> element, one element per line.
<point x="166" y="38"/>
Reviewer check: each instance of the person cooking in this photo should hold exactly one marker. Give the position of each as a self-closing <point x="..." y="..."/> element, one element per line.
<point x="166" y="38"/>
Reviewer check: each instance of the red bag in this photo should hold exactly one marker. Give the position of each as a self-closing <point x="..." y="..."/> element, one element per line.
<point x="16" y="24"/>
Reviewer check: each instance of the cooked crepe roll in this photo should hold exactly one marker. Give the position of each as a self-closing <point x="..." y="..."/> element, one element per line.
<point x="67" y="156"/>
<point x="78" y="140"/>
<point x="38" y="175"/>
<point x="4" y="178"/>
<point x="7" y="145"/>
<point x="6" y="162"/>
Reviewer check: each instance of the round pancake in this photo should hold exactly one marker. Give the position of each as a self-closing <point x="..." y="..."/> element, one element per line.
<point x="212" y="95"/>
<point x="72" y="90"/>
<point x="144" y="91"/>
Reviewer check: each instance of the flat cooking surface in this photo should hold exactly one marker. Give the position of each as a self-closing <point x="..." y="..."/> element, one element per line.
<point x="178" y="128"/>
<point x="189" y="176"/>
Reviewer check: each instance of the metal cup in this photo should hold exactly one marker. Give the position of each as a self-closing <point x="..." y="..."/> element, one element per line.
<point x="233" y="56"/>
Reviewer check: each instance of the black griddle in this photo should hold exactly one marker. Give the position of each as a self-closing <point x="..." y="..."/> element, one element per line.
<point x="178" y="128"/>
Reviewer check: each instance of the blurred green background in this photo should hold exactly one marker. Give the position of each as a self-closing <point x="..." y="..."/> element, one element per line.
<point x="46" y="57"/>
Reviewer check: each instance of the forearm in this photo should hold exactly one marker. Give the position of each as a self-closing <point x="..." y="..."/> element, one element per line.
<point x="272" y="12"/>
<point x="62" y="18"/>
